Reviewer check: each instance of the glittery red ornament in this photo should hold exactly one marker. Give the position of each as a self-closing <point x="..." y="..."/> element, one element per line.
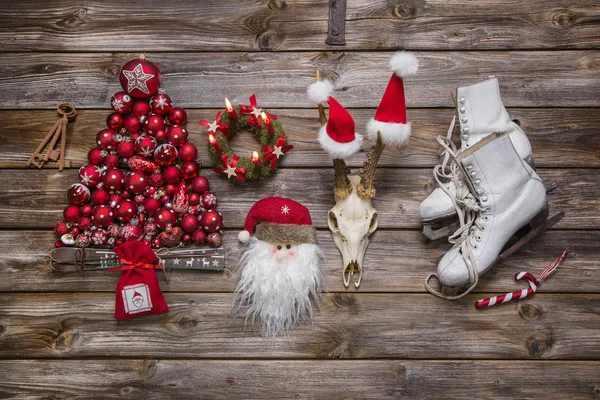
<point x="177" y="135"/>
<point x="125" y="195"/>
<point x="153" y="123"/>
<point x="140" y="108"/>
<point x="188" y="152"/>
<point x="145" y="146"/>
<point x="139" y="198"/>
<point x="177" y="116"/>
<point x="161" y="103"/>
<point x="140" y="78"/>
<point x="72" y="213"/>
<point x="195" y="210"/>
<point x="180" y="202"/>
<point x="132" y="123"/>
<point x="189" y="223"/>
<point x="199" y="185"/>
<point x="136" y="182"/>
<point x="150" y="229"/>
<point x="209" y="200"/>
<point x="199" y="237"/>
<point x="100" y="196"/>
<point x="190" y="170"/>
<point x="96" y="156"/>
<point x="193" y="199"/>
<point x="115" y="121"/>
<point x="164" y="218"/>
<point x="113" y="179"/>
<point x="113" y="230"/>
<point x="141" y="218"/>
<point x="125" y="210"/>
<point x="103" y="216"/>
<point x="214" y="239"/>
<point x="99" y="237"/>
<point x="111" y="161"/>
<point x="151" y="205"/>
<point x="82" y="240"/>
<point x="84" y="223"/>
<point x="165" y="155"/>
<point x="211" y="220"/>
<point x="156" y="180"/>
<point x="87" y="210"/>
<point x="61" y="228"/>
<point x="131" y="232"/>
<point x="78" y="194"/>
<point x="142" y="164"/>
<point x="106" y="139"/>
<point x="171" y="174"/>
<point x="115" y="199"/>
<point x="172" y="238"/>
<point x="125" y="149"/>
<point x="90" y="175"/>
<point x="121" y="102"/>
<point x="186" y="239"/>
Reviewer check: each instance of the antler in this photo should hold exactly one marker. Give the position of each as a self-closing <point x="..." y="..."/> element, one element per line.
<point x="366" y="190"/>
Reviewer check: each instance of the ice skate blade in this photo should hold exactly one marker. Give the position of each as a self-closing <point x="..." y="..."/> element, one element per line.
<point x="550" y="186"/>
<point x="434" y="234"/>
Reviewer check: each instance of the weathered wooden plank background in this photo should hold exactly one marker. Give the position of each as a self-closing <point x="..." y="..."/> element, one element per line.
<point x="390" y="339"/>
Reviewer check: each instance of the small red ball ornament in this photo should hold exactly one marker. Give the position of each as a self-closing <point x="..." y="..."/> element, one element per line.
<point x="193" y="199"/>
<point x="211" y="220"/>
<point x="74" y="231"/>
<point x="186" y="239"/>
<point x="165" y="155"/>
<point x="113" y="179"/>
<point x="126" y="149"/>
<point x="153" y="123"/>
<point x="103" y="216"/>
<point x="199" y="237"/>
<point x="209" y="200"/>
<point x="113" y="230"/>
<point x="140" y="78"/>
<point x="164" y="218"/>
<point x="189" y="223"/>
<point x="161" y="135"/>
<point x="121" y="102"/>
<point x="156" y="180"/>
<point x="125" y="210"/>
<point x="172" y="238"/>
<point x="161" y="103"/>
<point x="177" y="135"/>
<point x="131" y="232"/>
<point x="199" y="185"/>
<point x="136" y="182"/>
<point x="99" y="237"/>
<point x="140" y="108"/>
<point x="190" y="170"/>
<point x="115" y="121"/>
<point x="145" y="146"/>
<point x="96" y="156"/>
<point x="132" y="123"/>
<point x="150" y="229"/>
<point x="111" y="161"/>
<point x="177" y="116"/>
<point x="72" y="213"/>
<point x="100" y="196"/>
<point x="84" y="223"/>
<point x="188" y="152"/>
<point x="90" y="175"/>
<point x="115" y="199"/>
<point x="172" y="174"/>
<point x="87" y="210"/>
<point x="106" y="139"/>
<point x="214" y="239"/>
<point x="61" y="228"/>
<point x="78" y="194"/>
<point x="151" y="205"/>
<point x="82" y="240"/>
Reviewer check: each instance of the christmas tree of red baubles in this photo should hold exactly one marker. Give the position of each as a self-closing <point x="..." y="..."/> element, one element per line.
<point x="143" y="179"/>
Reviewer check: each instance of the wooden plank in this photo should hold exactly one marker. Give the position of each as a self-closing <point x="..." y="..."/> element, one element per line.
<point x="546" y="326"/>
<point x="528" y="78"/>
<point x="563" y="137"/>
<point x="380" y="379"/>
<point x="37" y="198"/>
<point x="61" y="25"/>
<point x="396" y="261"/>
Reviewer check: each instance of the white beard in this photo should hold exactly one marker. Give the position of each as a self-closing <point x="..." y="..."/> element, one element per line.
<point x="275" y="293"/>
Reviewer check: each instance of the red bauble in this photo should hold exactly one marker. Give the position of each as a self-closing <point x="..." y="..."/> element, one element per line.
<point x="190" y="170"/>
<point x="90" y="175"/>
<point x="177" y="116"/>
<point x="106" y="139"/>
<point x="195" y="210"/>
<point x="161" y="104"/>
<point x="115" y="121"/>
<point x="96" y="156"/>
<point x="78" y="194"/>
<point x="126" y="149"/>
<point x="111" y="161"/>
<point x="139" y="198"/>
<point x="82" y="240"/>
<point x="151" y="205"/>
<point x="180" y="201"/>
<point x="113" y="230"/>
<point x="121" y="102"/>
<point x="172" y="174"/>
<point x="131" y="232"/>
<point x="193" y="199"/>
<point x="199" y="185"/>
<point x="100" y="196"/>
<point x="177" y="135"/>
<point x="150" y="229"/>
<point x="164" y="218"/>
<point x="84" y="223"/>
<point x="156" y="180"/>
<point x="187" y="239"/>
<point x="113" y="179"/>
<point x="211" y="220"/>
<point x="172" y="238"/>
<point x="188" y="152"/>
<point x="125" y="210"/>
<point x="145" y="146"/>
<point x="214" y="239"/>
<point x="199" y="237"/>
<point x="165" y="155"/>
<point x="87" y="209"/>
<point x="115" y="199"/>
<point x="103" y="216"/>
<point x="136" y="182"/>
<point x="140" y="78"/>
<point x="209" y="200"/>
<point x="161" y="135"/>
<point x="61" y="228"/>
<point x="142" y="164"/>
<point x="153" y="124"/>
<point x="164" y="199"/>
<point x="74" y="231"/>
<point x="72" y="213"/>
<point x="150" y="190"/>
<point x="155" y="243"/>
<point x="99" y="237"/>
<point x="132" y="123"/>
<point x="189" y="223"/>
<point x="140" y="108"/>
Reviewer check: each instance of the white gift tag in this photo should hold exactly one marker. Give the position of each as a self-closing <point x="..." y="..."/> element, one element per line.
<point x="136" y="298"/>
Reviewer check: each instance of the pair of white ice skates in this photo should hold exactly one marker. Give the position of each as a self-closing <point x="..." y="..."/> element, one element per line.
<point x="487" y="190"/>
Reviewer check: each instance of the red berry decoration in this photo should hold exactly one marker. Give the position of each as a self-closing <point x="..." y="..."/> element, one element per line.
<point x="190" y="170"/>
<point x="211" y="221"/>
<point x="61" y="228"/>
<point x="140" y="78"/>
<point x="121" y="102"/>
<point x="100" y="196"/>
<point x="151" y="205"/>
<point x="106" y="139"/>
<point x="125" y="210"/>
<point x="177" y="116"/>
<point x="132" y="123"/>
<point x="165" y="155"/>
<point x="214" y="239"/>
<point x="115" y="121"/>
<point x="136" y="182"/>
<point x="172" y="174"/>
<point x="189" y="223"/>
<point x="96" y="156"/>
<point x="199" y="237"/>
<point x="161" y="103"/>
<point x="78" y="194"/>
<point x="72" y="213"/>
<point x="103" y="215"/>
<point x="125" y="149"/>
<point x="199" y="185"/>
<point x="188" y="152"/>
<point x="153" y="124"/>
<point x="140" y="108"/>
<point x="113" y="179"/>
<point x="165" y="217"/>
<point x="145" y="146"/>
<point x="90" y="175"/>
<point x="209" y="200"/>
<point x="177" y="135"/>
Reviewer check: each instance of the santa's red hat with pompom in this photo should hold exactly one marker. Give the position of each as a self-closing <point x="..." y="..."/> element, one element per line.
<point x="278" y="220"/>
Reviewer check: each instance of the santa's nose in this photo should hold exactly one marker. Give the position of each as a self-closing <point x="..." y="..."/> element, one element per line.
<point x="281" y="256"/>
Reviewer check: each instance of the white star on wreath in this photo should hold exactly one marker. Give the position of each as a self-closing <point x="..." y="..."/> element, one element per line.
<point x="137" y="79"/>
<point x="285" y="210"/>
<point x="212" y="127"/>
<point x="230" y="171"/>
<point x="277" y="152"/>
<point x="257" y="112"/>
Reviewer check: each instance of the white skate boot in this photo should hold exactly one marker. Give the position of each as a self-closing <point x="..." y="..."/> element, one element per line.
<point x="497" y="194"/>
<point x="480" y="111"/>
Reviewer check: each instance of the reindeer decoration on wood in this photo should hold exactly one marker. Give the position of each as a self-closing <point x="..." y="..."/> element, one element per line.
<point x="353" y="219"/>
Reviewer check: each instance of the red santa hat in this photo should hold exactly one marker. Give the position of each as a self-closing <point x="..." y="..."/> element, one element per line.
<point x="278" y="220"/>
<point x="390" y="118"/>
<point x="338" y="137"/>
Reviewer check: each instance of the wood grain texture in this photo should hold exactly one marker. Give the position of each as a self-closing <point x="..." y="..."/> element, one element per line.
<point x="545" y="326"/>
<point x="527" y="79"/>
<point x="560" y="137"/>
<point x="276" y="25"/>
<point x="336" y="379"/>
<point x="396" y="261"/>
<point x="36" y="199"/>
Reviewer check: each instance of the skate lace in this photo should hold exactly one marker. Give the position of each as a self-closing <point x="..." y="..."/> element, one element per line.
<point x="443" y="171"/>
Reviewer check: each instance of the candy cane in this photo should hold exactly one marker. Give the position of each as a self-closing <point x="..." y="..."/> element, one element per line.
<point x="521" y="294"/>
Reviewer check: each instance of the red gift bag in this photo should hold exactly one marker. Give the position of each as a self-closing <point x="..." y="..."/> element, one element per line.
<point x="138" y="292"/>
